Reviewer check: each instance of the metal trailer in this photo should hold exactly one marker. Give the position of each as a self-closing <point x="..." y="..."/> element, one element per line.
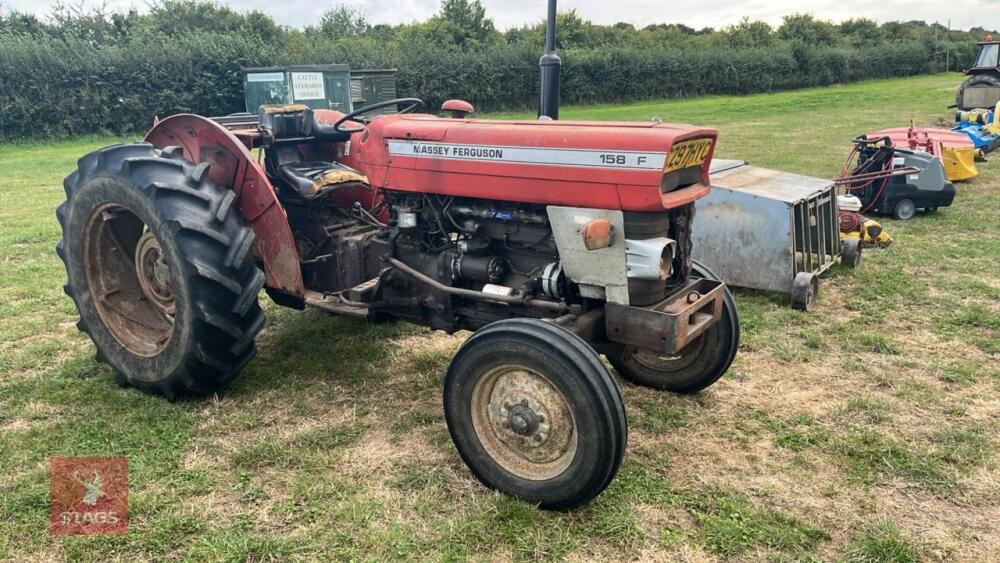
<point x="769" y="230"/>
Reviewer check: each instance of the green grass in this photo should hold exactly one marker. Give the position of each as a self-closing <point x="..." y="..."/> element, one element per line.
<point x="882" y="543"/>
<point x="843" y="434"/>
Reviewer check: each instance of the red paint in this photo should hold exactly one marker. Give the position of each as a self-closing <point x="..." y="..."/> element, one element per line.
<point x="232" y="166"/>
<point x="927" y="139"/>
<point x="458" y="108"/>
<point x="631" y="189"/>
<point x="578" y="186"/>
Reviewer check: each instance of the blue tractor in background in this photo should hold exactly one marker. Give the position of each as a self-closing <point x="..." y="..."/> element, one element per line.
<point x="978" y="100"/>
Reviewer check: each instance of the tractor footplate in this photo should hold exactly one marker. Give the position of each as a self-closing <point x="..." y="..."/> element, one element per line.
<point x="670" y="325"/>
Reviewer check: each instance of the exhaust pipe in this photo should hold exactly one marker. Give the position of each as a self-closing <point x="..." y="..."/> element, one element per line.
<point x="550" y="65"/>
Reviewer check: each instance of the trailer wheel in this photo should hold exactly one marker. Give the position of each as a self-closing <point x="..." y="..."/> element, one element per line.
<point x="805" y="291"/>
<point x="534" y="413"/>
<point x="160" y="270"/>
<point x="698" y="365"/>
<point x="850" y="252"/>
<point x="904" y="210"/>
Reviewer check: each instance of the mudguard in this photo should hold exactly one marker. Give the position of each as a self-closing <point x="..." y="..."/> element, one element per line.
<point x="233" y="166"/>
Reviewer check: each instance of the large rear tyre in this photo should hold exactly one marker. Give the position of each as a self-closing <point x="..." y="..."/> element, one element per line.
<point x="160" y="269"/>
<point x="534" y="413"/>
<point x="698" y="365"/>
<point x="977" y="80"/>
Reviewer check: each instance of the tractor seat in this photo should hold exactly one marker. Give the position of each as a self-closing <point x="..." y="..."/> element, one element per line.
<point x="314" y="179"/>
<point x="297" y="123"/>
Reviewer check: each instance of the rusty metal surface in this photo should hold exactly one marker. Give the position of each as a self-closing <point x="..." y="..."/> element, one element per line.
<point x="524" y="422"/>
<point x="764" y="182"/>
<point x="670" y="325"/>
<point x="759" y="228"/>
<point x="232" y="166"/>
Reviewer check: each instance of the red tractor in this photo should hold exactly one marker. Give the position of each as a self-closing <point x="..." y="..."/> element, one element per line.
<point x="554" y="241"/>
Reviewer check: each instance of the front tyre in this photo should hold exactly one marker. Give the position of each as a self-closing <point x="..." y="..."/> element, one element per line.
<point x="159" y="268"/>
<point x="534" y="413"/>
<point x="696" y="366"/>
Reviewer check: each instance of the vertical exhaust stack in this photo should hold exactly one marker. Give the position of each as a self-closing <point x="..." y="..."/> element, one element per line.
<point x="550" y="66"/>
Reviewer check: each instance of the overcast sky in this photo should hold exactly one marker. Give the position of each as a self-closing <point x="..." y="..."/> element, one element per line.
<point x="701" y="13"/>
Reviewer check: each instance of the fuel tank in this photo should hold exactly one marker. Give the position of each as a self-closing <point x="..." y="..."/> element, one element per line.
<point x="631" y="166"/>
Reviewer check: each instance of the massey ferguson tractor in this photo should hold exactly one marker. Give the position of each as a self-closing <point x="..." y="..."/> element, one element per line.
<point x="553" y="241"/>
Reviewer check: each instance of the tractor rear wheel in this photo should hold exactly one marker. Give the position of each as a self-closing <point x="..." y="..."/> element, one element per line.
<point x="534" y="413"/>
<point x="159" y="268"/>
<point x="695" y="367"/>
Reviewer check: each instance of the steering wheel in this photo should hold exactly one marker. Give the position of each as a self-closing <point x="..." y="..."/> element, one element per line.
<point x="414" y="105"/>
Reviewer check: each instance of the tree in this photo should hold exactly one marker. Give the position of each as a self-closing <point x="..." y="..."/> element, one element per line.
<point x="465" y="22"/>
<point x="861" y="31"/>
<point x="748" y="34"/>
<point x="344" y="21"/>
<point x="806" y="28"/>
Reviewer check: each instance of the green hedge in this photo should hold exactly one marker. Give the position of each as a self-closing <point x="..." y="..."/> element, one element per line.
<point x="51" y="86"/>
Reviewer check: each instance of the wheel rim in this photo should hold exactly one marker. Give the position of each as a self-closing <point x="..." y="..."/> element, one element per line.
<point x="129" y="280"/>
<point x="906" y="210"/>
<point x="523" y="422"/>
<point x="154" y="273"/>
<point x="670" y="363"/>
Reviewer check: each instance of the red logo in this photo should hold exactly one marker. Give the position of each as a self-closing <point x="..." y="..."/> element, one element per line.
<point x="89" y="495"/>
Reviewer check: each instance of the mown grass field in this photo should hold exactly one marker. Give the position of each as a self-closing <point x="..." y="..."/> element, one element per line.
<point x="864" y="431"/>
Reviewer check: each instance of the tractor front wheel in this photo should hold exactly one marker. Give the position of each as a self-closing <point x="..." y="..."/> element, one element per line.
<point x="159" y="268"/>
<point x="695" y="367"/>
<point x="534" y="413"/>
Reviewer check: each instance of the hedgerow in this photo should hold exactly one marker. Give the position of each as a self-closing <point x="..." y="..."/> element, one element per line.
<point x="97" y="74"/>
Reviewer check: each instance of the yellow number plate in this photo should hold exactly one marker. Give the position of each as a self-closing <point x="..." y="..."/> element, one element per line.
<point x="688" y="153"/>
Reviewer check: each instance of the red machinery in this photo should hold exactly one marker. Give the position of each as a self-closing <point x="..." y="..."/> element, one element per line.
<point x="554" y="241"/>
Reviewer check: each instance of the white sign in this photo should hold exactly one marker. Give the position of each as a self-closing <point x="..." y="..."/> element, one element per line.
<point x="531" y="155"/>
<point x="308" y="86"/>
<point x="266" y="77"/>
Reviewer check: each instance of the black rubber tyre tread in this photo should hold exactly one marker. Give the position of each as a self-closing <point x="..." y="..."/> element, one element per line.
<point x="805" y="291"/>
<point x="851" y="253"/>
<point x="603" y="395"/>
<point x="728" y="335"/>
<point x="214" y="336"/>
<point x="976" y="80"/>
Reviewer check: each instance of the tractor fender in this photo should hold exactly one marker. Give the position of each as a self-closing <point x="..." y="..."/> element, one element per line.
<point x="232" y="166"/>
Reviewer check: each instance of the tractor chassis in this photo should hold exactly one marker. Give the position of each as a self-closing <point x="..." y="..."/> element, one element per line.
<point x="670" y="325"/>
<point x="664" y="328"/>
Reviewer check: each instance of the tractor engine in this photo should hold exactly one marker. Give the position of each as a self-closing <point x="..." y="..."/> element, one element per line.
<point x="482" y="246"/>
